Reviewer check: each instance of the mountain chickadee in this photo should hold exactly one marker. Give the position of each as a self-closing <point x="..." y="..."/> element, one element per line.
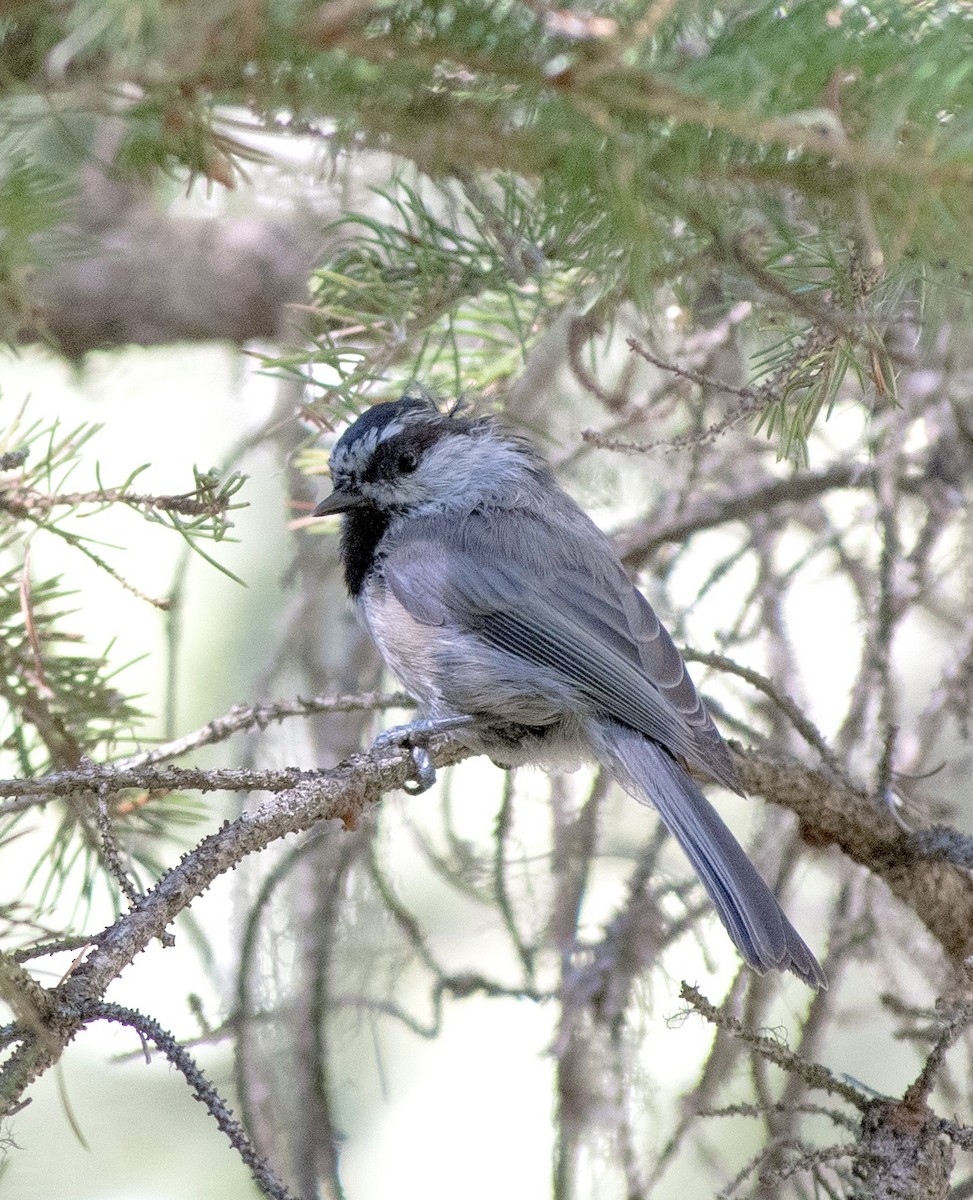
<point x="506" y="613"/>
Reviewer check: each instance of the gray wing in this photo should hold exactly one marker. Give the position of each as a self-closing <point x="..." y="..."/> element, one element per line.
<point x="532" y="589"/>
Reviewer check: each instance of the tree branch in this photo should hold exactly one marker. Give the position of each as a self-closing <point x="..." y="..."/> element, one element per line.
<point x="639" y="540"/>
<point x="940" y="893"/>
<point x="344" y="794"/>
<point x="203" y="1090"/>
<point x="830" y="812"/>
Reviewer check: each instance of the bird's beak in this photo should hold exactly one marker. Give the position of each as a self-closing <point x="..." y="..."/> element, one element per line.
<point x="338" y="502"/>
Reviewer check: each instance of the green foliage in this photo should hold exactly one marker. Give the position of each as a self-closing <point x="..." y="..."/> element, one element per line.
<point x="33" y="203"/>
<point x="776" y="148"/>
<point x="634" y="154"/>
<point x="449" y="290"/>
<point x="61" y="702"/>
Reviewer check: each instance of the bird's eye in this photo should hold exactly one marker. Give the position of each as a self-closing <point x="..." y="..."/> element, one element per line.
<point x="408" y="461"/>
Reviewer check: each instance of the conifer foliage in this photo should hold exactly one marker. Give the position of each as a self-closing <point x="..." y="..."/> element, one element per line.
<point x="673" y="239"/>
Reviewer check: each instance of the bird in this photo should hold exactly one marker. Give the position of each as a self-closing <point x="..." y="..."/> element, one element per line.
<point x="507" y="615"/>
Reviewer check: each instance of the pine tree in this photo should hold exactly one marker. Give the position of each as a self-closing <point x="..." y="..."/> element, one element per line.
<point x="676" y="242"/>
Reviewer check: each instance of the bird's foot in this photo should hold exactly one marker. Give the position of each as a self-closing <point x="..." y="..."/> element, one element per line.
<point x="413" y="737"/>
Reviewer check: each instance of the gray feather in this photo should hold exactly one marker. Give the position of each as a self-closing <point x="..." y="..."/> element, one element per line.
<point x="746" y="906"/>
<point x="580" y="617"/>
<point x="493" y="596"/>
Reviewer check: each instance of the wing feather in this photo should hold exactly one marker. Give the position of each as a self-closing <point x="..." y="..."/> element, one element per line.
<point x="572" y="611"/>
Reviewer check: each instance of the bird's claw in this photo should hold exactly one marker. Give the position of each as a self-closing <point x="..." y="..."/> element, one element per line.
<point x="425" y="772"/>
<point x="413" y="738"/>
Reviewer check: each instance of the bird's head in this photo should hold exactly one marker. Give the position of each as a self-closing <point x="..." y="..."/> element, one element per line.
<point x="407" y="457"/>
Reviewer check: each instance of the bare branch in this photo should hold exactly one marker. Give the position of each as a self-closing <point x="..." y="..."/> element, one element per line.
<point x="344" y="794"/>
<point x="940" y="894"/>
<point x="203" y="1091"/>
<point x="242" y="717"/>
<point x="774" y="1051"/>
<point x="638" y="541"/>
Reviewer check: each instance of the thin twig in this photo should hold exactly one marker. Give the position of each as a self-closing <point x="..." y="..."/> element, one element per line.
<point x="203" y="1091"/>
<point x="815" y="1075"/>
<point x="110" y="852"/>
<point x="803" y="724"/>
<point x="258" y="716"/>
<point x="22" y="501"/>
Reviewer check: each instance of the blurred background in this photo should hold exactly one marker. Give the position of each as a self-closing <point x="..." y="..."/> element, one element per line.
<point x="694" y="252"/>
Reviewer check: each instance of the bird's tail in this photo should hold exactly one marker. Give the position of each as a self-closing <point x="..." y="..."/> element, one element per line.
<point x="747" y="907"/>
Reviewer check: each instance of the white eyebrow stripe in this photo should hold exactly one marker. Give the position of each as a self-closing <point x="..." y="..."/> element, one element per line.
<point x="357" y="453"/>
<point x="389" y="431"/>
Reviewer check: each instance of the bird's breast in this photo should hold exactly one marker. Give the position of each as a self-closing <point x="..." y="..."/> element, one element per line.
<point x="409" y="648"/>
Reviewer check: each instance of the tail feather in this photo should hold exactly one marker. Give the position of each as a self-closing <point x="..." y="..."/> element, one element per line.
<point x="747" y="907"/>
